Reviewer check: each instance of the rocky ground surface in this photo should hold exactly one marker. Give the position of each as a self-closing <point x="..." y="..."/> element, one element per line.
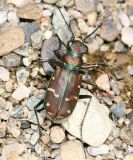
<point x="28" y="30"/>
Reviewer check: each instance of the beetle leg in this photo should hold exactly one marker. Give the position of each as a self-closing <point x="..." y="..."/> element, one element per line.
<point x="54" y="62"/>
<point x="91" y="66"/>
<point x="60" y="42"/>
<point x="35" y="110"/>
<point x="58" y="55"/>
<point x="84" y="97"/>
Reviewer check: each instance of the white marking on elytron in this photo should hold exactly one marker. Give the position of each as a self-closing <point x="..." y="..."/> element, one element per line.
<point x="78" y="86"/>
<point x="47" y="104"/>
<point x="53" y="78"/>
<point x="68" y="99"/>
<point x="68" y="111"/>
<point x="52" y="90"/>
<point x="75" y="97"/>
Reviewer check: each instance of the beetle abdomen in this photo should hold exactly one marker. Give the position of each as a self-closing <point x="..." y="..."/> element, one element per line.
<point x="62" y="93"/>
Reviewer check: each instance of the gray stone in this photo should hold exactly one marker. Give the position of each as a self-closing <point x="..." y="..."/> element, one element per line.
<point x="47" y="52"/>
<point x="119" y="47"/>
<point x="29" y="29"/>
<point x="115" y="87"/>
<point x="22" y="75"/>
<point x="36" y="39"/>
<point x="24" y="50"/>
<point x="60" y="26"/>
<point x="109" y="31"/>
<point x="18" y="112"/>
<point x="33" y="101"/>
<point x="32" y="117"/>
<point x="107" y="100"/>
<point x="118" y="109"/>
<point x="11" y="60"/>
<point x="119" y="74"/>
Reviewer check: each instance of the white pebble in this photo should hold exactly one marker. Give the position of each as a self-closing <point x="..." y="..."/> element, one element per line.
<point x="94" y="151"/>
<point x="4" y="74"/>
<point x="48" y="34"/>
<point x="21" y="93"/>
<point x="57" y="134"/>
<point x="103" y="82"/>
<point x="13" y="18"/>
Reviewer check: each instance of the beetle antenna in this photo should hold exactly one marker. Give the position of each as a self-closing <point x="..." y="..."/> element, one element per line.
<point x="66" y="23"/>
<point x="93" y="32"/>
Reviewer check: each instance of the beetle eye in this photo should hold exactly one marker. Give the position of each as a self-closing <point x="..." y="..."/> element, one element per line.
<point x="84" y="48"/>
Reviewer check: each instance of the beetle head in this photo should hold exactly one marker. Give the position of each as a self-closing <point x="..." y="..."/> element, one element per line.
<point x="76" y="47"/>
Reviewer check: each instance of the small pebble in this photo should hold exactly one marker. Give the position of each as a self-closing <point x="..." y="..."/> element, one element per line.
<point x="50" y="1"/>
<point x="119" y="74"/>
<point x="24" y="50"/>
<point x="47" y="34"/>
<point x="11" y="60"/>
<point x="13" y="18"/>
<point x="30" y="11"/>
<point x="130" y="69"/>
<point x="17" y="148"/>
<point x="103" y="149"/>
<point x="103" y="82"/>
<point x="17" y="3"/>
<point x="4" y="74"/>
<point x="127" y="35"/>
<point x="124" y="19"/>
<point x="34" y="138"/>
<point x="29" y="29"/>
<point x="119" y="109"/>
<point x="109" y="31"/>
<point x="22" y="75"/>
<point x="91" y="18"/>
<point x="11" y="39"/>
<point x="104" y="48"/>
<point x="3" y="15"/>
<point x="20" y="93"/>
<point x="128" y="157"/>
<point x="72" y="150"/>
<point x="26" y="62"/>
<point x="83" y="26"/>
<point x="36" y="39"/>
<point x="119" y="47"/>
<point x="57" y="134"/>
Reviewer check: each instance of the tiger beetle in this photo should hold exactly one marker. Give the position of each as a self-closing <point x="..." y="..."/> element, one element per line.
<point x="63" y="89"/>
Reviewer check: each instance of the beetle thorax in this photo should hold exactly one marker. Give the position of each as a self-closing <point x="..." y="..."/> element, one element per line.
<point x="75" y="51"/>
